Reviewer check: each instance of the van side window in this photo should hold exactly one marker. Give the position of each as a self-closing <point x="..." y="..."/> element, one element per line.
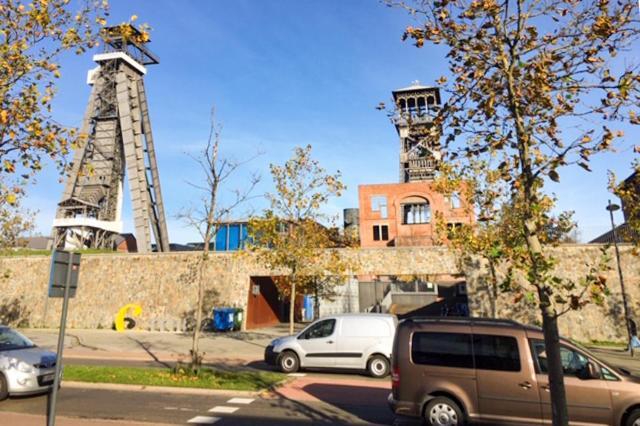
<point x="608" y="375"/>
<point x="496" y="352"/>
<point x="321" y="329"/>
<point x="442" y="349"/>
<point x="572" y="362"/>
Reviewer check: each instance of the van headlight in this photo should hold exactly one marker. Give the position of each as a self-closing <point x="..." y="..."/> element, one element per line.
<point x="20" y="365"/>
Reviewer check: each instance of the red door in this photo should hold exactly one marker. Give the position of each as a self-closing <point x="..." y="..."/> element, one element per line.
<point x="263" y="306"/>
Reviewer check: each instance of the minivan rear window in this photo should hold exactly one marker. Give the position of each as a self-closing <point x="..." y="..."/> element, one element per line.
<point x="496" y="352"/>
<point x="442" y="349"/>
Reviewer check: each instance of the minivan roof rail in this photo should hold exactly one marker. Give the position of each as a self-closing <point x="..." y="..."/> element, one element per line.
<point x="467" y="320"/>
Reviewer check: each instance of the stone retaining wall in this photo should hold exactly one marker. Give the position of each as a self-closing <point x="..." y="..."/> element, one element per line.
<point x="164" y="286"/>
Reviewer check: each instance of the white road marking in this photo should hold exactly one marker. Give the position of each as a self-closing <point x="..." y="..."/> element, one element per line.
<point x="170" y="408"/>
<point x="297" y="374"/>
<point x="204" y="420"/>
<point x="223" y="409"/>
<point x="240" y="401"/>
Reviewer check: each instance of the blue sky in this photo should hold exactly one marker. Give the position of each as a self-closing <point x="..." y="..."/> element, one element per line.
<point x="284" y="73"/>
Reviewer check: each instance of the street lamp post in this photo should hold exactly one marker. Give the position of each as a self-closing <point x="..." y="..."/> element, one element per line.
<point x="627" y="319"/>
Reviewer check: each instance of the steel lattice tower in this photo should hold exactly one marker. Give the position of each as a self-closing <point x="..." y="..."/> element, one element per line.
<point x="118" y="139"/>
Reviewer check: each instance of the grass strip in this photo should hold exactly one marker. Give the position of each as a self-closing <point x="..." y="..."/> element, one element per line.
<point x="206" y="378"/>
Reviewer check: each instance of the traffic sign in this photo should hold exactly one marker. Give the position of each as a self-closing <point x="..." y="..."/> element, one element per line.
<point x="63" y="264"/>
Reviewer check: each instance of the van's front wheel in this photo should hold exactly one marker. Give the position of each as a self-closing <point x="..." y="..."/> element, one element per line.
<point x="378" y="366"/>
<point x="288" y="362"/>
<point x="442" y="411"/>
<point x="633" y="419"/>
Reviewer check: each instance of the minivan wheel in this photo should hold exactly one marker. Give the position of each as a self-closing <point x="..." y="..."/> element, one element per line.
<point x="633" y="419"/>
<point x="378" y="366"/>
<point x="442" y="411"/>
<point x="288" y="362"/>
<point x="4" y="388"/>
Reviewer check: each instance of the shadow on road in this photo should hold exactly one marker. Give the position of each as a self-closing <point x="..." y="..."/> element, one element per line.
<point x="294" y="411"/>
<point x="332" y="404"/>
<point x="366" y="403"/>
<point x="145" y="347"/>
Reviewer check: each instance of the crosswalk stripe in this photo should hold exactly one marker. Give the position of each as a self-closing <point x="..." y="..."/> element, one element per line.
<point x="240" y="401"/>
<point x="223" y="409"/>
<point x="206" y="420"/>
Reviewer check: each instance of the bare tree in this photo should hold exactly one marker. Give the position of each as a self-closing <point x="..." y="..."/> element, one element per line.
<point x="212" y="211"/>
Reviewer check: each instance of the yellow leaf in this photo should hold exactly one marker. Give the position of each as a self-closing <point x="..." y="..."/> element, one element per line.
<point x="134" y="17"/>
<point x="4" y="116"/>
<point x="11" y="199"/>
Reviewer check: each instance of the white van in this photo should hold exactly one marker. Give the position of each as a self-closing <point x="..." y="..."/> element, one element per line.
<point x="355" y="341"/>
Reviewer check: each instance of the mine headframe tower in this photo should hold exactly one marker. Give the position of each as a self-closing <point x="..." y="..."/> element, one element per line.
<point x="415" y="107"/>
<point x="115" y="138"/>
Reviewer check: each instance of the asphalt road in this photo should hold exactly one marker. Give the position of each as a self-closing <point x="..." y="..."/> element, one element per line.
<point x="326" y="403"/>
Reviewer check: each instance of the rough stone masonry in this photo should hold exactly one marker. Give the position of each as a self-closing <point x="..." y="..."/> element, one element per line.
<point x="164" y="286"/>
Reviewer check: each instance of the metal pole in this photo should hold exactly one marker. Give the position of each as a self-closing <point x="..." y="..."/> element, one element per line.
<point x="63" y="323"/>
<point x="627" y="318"/>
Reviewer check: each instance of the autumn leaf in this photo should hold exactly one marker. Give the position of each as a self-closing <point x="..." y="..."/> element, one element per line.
<point x="584" y="166"/>
<point x="11" y="199"/>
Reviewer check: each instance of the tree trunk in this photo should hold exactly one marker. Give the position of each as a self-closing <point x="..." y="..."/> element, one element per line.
<point x="196" y="359"/>
<point x="292" y="305"/>
<point x="530" y="199"/>
<point x="494" y="289"/>
<point x="558" y="397"/>
<point x="560" y="414"/>
<point x="316" y="304"/>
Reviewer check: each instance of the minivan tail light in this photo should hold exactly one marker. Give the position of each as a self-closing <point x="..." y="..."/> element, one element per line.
<point x="395" y="378"/>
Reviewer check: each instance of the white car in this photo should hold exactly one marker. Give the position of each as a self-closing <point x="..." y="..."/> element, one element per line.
<point x="351" y="341"/>
<point x="25" y="369"/>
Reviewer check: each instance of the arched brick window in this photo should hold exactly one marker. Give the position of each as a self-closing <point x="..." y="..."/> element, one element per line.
<point x="415" y="210"/>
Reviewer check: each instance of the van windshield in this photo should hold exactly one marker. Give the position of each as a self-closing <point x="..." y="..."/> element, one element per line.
<point x="619" y="370"/>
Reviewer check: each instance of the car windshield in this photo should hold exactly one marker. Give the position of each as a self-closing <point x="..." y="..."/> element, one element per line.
<point x="11" y="340"/>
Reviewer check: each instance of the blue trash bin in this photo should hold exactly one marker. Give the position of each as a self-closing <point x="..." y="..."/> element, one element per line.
<point x="308" y="308"/>
<point x="223" y="319"/>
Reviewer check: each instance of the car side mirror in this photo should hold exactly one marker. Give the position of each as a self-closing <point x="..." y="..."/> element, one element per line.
<point x="589" y="372"/>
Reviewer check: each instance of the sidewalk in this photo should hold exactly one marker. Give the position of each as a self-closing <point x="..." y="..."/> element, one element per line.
<point x="7" y="418"/>
<point x="228" y="348"/>
<point x="231" y="349"/>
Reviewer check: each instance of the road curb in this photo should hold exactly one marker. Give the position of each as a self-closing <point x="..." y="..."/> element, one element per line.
<point x="158" y="389"/>
<point x="147" y="358"/>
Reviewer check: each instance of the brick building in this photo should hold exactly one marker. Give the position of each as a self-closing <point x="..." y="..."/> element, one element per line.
<point x="403" y="214"/>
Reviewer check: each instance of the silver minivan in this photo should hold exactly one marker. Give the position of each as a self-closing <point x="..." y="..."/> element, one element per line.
<point x="350" y="341"/>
